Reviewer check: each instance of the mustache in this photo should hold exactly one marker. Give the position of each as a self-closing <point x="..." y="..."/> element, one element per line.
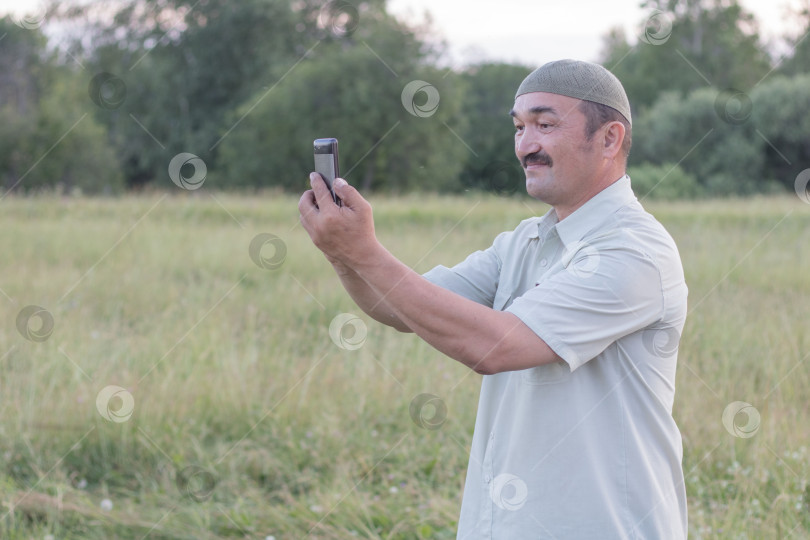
<point x="537" y="157"/>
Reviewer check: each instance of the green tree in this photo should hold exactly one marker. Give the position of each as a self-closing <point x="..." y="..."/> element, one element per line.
<point x="797" y="60"/>
<point x="182" y="67"/>
<point x="780" y="108"/>
<point x="709" y="134"/>
<point x="490" y="93"/>
<point x="21" y="68"/>
<point x="354" y="91"/>
<point x="684" y="45"/>
<point x="185" y="67"/>
<point x="74" y="147"/>
<point x="47" y="137"/>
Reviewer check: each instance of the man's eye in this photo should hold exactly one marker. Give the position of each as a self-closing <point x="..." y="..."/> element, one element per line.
<point x="518" y="128"/>
<point x="545" y="126"/>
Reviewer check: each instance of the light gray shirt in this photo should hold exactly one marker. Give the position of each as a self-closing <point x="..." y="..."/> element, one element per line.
<point x="585" y="448"/>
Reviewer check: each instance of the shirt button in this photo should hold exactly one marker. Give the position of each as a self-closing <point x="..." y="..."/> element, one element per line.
<point x="543" y="263"/>
<point x="487" y="478"/>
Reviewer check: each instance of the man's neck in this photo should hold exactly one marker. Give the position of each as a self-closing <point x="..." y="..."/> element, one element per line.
<point x="606" y="180"/>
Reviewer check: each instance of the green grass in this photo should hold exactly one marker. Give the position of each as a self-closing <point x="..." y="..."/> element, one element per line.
<point x="235" y="378"/>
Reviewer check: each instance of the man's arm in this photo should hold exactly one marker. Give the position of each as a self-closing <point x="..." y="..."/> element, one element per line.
<point x="483" y="339"/>
<point x="486" y="340"/>
<point x="368" y="299"/>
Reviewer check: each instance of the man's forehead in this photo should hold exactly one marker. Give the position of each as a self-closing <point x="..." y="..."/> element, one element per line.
<point x="533" y="103"/>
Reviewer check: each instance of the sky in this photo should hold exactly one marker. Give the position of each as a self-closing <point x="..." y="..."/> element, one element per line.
<point x="532" y="32"/>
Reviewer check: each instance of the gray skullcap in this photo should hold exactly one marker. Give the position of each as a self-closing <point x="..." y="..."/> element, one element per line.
<point x="580" y="80"/>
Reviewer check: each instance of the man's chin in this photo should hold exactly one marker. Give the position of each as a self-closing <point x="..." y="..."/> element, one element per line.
<point x="537" y="175"/>
<point x="540" y="186"/>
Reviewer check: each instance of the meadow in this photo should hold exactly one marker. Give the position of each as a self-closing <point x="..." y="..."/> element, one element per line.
<point x="177" y="376"/>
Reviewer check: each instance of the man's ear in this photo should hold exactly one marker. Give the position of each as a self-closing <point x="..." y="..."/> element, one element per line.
<point x="614" y="137"/>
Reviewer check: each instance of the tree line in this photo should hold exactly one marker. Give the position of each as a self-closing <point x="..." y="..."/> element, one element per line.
<point x="105" y="97"/>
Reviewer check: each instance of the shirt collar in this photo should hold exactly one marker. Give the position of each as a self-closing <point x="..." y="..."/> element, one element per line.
<point x="585" y="218"/>
<point x="544" y="225"/>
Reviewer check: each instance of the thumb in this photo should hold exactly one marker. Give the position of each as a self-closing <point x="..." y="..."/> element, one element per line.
<point x="347" y="193"/>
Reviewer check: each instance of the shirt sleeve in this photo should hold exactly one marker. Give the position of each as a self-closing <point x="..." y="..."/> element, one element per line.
<point x="475" y="278"/>
<point x="600" y="295"/>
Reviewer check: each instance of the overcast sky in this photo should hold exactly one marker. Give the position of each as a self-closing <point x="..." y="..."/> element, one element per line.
<point x="533" y="31"/>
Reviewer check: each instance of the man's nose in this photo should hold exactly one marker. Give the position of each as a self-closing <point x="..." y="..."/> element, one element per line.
<point x="527" y="143"/>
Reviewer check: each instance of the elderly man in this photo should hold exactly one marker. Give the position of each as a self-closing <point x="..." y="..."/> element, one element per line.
<point x="573" y="318"/>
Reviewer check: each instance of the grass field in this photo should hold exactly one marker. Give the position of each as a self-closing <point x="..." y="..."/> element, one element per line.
<point x="185" y="391"/>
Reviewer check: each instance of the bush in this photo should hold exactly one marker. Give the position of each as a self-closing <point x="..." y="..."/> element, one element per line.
<point x="667" y="181"/>
<point x="83" y="160"/>
<point x="709" y="134"/>
<point x="780" y="114"/>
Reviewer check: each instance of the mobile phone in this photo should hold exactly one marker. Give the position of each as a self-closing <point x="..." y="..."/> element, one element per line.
<point x="326" y="163"/>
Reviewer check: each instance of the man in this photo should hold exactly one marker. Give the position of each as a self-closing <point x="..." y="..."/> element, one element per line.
<point x="573" y="318"/>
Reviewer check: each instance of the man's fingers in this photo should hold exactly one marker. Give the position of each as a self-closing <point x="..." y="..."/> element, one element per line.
<point x="347" y="193"/>
<point x="307" y="205"/>
<point x="307" y="201"/>
<point x="321" y="190"/>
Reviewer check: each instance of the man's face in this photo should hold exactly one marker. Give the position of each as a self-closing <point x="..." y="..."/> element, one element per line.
<point x="550" y="144"/>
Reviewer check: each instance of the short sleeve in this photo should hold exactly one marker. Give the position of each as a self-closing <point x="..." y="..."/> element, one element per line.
<point x="600" y="295"/>
<point x="475" y="278"/>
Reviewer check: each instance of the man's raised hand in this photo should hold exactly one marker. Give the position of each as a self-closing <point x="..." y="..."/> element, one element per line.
<point x="344" y="233"/>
